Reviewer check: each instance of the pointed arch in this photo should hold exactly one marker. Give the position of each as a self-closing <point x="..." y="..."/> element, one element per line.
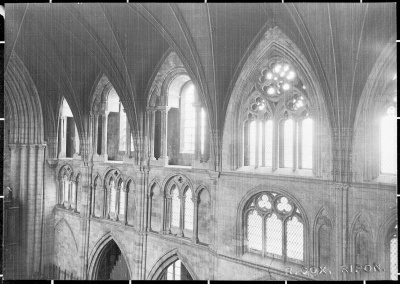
<point x="153" y="184"/>
<point x="167" y="259"/>
<point x="199" y="189"/>
<point x="170" y="177"/>
<point x="241" y="218"/>
<point x="63" y="221"/>
<point x="98" y="249"/>
<point x="376" y="97"/>
<point x="274" y="45"/>
<point x="26" y="116"/>
<point x="323" y="248"/>
<point x="361" y="239"/>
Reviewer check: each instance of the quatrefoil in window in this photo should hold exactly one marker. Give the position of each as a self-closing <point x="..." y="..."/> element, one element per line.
<point x="284" y="205"/>
<point x="180" y="179"/>
<point x="264" y="203"/>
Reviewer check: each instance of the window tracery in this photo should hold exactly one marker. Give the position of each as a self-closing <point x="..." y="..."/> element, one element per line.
<point x="274" y="227"/>
<point x="278" y="107"/>
<point x="113" y="189"/>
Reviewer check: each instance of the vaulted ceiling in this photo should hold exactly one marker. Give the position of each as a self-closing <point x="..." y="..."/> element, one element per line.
<point x="67" y="47"/>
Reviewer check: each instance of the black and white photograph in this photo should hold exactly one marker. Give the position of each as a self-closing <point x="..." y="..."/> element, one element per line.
<point x="200" y="141"/>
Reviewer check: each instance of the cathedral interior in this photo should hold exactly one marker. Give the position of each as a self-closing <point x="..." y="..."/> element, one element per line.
<point x="156" y="141"/>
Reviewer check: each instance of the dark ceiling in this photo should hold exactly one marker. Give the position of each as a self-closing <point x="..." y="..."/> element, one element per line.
<point x="66" y="47"/>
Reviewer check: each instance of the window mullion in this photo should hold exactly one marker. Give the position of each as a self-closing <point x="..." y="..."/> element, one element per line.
<point x="295" y="139"/>
<point x="263" y="133"/>
<point x="284" y="238"/>
<point x="257" y="157"/>
<point x="300" y="144"/>
<point x="276" y="157"/>
<point x="264" y="235"/>
<point x="182" y="215"/>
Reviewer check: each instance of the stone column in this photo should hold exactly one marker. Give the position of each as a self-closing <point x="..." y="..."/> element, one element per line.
<point x="63" y="137"/>
<point x="167" y="213"/>
<point x="117" y="199"/>
<point x="150" y="202"/>
<point x="39" y="207"/>
<point x="195" y="237"/>
<point x="128" y="139"/>
<point x="182" y="215"/>
<point x="164" y="128"/>
<point x="85" y="214"/>
<point x="15" y="170"/>
<point x="104" y="117"/>
<point x="151" y="114"/>
<point x="31" y="209"/>
<point x="95" y="132"/>
<point x="94" y="192"/>
<point x="126" y="207"/>
<point x="207" y="142"/>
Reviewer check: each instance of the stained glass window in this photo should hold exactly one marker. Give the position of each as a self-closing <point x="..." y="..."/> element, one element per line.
<point x="252" y="142"/>
<point x="295" y="239"/>
<point x="188" y="210"/>
<point x="113" y="196"/>
<point x="288" y="144"/>
<point x="254" y="230"/>
<point x="274" y="235"/>
<point x="268" y="142"/>
<point x="389" y="142"/>
<point x="306" y="143"/>
<point x="176" y="208"/>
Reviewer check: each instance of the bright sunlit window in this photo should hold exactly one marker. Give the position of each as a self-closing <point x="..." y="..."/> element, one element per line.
<point x="268" y="143"/>
<point x="306" y="143"/>
<point x="188" y="115"/>
<point x="288" y="144"/>
<point x="176" y="208"/>
<point x="188" y="210"/>
<point x="203" y="127"/>
<point x="122" y="129"/>
<point x="252" y="142"/>
<point x="388" y="142"/>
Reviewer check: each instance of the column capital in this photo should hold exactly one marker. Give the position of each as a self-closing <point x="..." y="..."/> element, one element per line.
<point x="151" y="109"/>
<point x="195" y="200"/>
<point x="164" y="108"/>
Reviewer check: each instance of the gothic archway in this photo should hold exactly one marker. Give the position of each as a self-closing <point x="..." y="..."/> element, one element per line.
<point x="111" y="264"/>
<point x="172" y="266"/>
